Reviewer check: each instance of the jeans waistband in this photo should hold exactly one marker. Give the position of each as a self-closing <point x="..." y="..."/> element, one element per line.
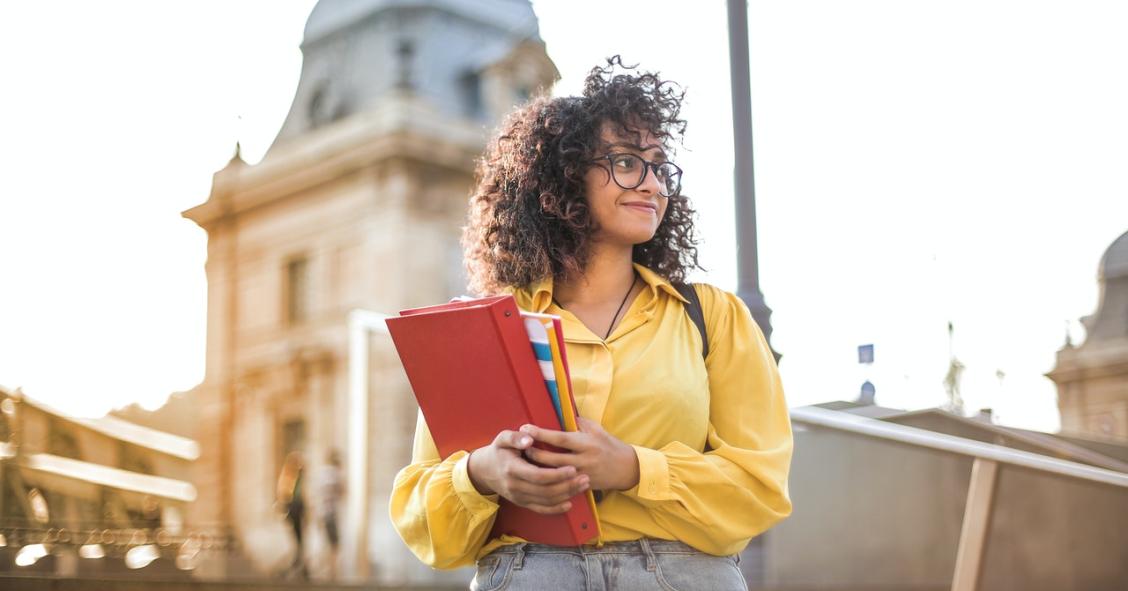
<point x="645" y="546"/>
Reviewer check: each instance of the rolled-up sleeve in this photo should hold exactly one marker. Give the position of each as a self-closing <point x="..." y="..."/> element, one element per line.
<point x="719" y="498"/>
<point x="435" y="508"/>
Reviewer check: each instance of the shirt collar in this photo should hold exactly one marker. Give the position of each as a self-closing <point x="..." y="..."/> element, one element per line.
<point x="537" y="297"/>
<point x="657" y="282"/>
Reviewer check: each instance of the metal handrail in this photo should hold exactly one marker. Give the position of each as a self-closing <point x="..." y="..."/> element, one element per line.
<point x="958" y="445"/>
<point x="110" y="426"/>
<point x="108" y="476"/>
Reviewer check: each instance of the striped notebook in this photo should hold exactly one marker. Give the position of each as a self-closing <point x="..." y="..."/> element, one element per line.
<point x="535" y="325"/>
<point x="547" y="336"/>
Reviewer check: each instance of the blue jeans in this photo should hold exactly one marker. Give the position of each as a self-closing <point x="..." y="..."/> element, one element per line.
<point x="620" y="566"/>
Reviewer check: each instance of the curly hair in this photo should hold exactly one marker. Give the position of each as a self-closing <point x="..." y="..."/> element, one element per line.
<point x="528" y="216"/>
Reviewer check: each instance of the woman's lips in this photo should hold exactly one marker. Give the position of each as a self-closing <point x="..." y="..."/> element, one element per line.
<point x="642" y="206"/>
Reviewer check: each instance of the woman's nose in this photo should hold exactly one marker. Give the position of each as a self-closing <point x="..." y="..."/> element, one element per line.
<point x="649" y="184"/>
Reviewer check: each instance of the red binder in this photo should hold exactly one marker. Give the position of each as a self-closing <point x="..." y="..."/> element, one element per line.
<point x="474" y="374"/>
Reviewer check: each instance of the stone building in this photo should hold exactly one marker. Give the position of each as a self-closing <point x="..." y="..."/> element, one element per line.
<point x="78" y="495"/>
<point x="358" y="204"/>
<point x="1092" y="378"/>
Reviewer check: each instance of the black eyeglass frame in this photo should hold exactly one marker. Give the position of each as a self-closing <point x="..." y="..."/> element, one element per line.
<point x="648" y="168"/>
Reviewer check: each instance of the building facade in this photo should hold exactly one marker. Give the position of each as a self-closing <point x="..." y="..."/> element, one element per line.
<point x="1092" y="378"/>
<point x="358" y="205"/>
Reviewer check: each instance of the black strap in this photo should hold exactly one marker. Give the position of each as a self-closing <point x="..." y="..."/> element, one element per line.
<point x="696" y="314"/>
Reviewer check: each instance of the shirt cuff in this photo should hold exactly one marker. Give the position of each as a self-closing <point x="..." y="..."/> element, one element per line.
<point x="653" y="475"/>
<point x="474" y="501"/>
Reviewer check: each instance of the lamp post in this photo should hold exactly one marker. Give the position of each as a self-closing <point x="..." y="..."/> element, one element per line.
<point x="748" y="286"/>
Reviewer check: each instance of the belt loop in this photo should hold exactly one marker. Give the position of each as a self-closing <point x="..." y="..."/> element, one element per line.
<point x="651" y="561"/>
<point x="519" y="561"/>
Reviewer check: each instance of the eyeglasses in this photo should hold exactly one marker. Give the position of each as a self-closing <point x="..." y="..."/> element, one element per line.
<point x="629" y="171"/>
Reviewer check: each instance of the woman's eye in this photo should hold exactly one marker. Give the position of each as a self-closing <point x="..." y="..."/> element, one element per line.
<point x="626" y="162"/>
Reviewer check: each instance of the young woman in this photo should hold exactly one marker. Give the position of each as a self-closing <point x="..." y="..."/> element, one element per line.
<point x="578" y="212"/>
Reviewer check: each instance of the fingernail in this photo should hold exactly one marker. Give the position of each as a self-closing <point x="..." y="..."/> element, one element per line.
<point x="526" y="441"/>
<point x="526" y="428"/>
<point x="567" y="506"/>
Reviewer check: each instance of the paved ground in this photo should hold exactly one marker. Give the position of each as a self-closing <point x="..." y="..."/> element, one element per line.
<point x="17" y="583"/>
<point x="14" y="583"/>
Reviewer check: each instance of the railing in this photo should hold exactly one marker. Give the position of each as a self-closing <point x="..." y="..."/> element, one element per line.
<point x="108" y="476"/>
<point x="984" y="472"/>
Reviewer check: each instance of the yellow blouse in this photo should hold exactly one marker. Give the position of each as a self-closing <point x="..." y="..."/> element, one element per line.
<point x="713" y="439"/>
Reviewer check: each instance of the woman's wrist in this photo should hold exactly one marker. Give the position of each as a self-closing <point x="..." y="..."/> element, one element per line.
<point x="629" y="468"/>
<point x="474" y="469"/>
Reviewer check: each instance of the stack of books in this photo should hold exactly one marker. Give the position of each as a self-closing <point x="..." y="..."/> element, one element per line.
<point x="479" y="367"/>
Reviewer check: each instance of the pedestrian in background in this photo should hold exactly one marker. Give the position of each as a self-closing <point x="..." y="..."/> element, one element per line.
<point x="330" y="491"/>
<point x="292" y="502"/>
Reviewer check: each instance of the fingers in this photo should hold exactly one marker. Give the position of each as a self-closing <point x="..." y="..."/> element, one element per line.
<point x="527" y="494"/>
<point x="588" y="425"/>
<point x="550" y="509"/>
<point x="526" y="472"/>
<point x="513" y="440"/>
<point x="570" y="441"/>
<point x="551" y="458"/>
<point x="545" y="490"/>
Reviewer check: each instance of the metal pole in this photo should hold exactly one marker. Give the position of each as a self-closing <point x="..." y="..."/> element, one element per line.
<point x="748" y="286"/>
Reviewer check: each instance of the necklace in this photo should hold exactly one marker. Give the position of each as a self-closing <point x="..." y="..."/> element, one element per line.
<point x="634" y="279"/>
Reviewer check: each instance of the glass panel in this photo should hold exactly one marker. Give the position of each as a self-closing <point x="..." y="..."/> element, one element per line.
<point x="868" y="513"/>
<point x="1052" y="532"/>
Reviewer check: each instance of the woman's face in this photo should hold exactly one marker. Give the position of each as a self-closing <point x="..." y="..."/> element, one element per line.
<point x="624" y="216"/>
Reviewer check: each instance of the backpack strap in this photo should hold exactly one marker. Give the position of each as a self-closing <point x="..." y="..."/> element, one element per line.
<point x="696" y="314"/>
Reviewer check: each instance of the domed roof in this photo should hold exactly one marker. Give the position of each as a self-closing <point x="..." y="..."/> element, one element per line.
<point x="330" y="15"/>
<point x="358" y="53"/>
<point x="1114" y="263"/>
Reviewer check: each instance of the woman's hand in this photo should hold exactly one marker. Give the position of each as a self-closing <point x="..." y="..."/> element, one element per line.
<point x="500" y="468"/>
<point x="606" y="460"/>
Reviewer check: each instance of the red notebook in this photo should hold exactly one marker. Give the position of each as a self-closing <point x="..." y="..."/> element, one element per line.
<point x="474" y="374"/>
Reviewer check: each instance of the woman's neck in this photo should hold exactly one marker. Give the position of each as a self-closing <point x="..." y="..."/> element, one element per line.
<point x="607" y="276"/>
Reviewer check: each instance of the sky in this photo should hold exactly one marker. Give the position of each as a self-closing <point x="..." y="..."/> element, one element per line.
<point x="917" y="163"/>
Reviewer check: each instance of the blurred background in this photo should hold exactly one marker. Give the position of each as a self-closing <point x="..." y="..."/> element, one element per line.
<point x="206" y="206"/>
